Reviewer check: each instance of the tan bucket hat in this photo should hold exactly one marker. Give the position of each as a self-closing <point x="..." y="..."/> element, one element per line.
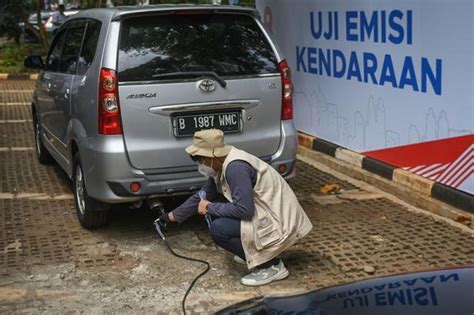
<point x="209" y="143"/>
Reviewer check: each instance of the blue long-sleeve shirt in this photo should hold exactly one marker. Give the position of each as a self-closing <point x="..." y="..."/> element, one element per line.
<point x="241" y="178"/>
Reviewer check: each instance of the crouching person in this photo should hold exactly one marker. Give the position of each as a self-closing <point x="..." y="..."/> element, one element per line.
<point x="253" y="212"/>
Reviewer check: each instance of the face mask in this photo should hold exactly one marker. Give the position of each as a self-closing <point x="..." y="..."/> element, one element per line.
<point x="206" y="170"/>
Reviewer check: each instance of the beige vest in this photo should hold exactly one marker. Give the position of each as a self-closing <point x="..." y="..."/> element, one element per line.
<point x="279" y="220"/>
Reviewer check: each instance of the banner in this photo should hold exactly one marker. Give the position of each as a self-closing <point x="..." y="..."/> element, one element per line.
<point x="390" y="79"/>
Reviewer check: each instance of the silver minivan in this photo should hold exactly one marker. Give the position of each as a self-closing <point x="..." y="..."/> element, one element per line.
<point x="123" y="90"/>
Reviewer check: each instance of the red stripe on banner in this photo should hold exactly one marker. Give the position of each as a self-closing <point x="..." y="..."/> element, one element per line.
<point x="460" y="162"/>
<point x="417" y="168"/>
<point x="465" y="168"/>
<point x="437" y="171"/>
<point x="425" y="153"/>
<point x="428" y="169"/>
<point x="462" y="179"/>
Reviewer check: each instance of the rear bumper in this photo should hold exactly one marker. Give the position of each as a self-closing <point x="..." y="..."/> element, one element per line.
<point x="108" y="173"/>
<point x="286" y="153"/>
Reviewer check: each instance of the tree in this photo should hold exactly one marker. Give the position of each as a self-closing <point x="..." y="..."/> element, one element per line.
<point x="12" y="12"/>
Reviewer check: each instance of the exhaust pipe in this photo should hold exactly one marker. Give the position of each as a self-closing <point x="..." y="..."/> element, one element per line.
<point x="155" y="204"/>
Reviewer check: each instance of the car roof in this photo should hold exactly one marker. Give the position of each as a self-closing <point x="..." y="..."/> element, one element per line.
<point x="116" y="13"/>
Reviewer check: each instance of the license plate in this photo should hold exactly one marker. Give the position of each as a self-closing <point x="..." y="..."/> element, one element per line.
<point x="187" y="125"/>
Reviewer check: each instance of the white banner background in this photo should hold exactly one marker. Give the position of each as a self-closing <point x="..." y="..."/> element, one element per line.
<point x="366" y="116"/>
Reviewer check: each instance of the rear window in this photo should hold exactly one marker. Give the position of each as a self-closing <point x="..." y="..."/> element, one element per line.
<point x="229" y="45"/>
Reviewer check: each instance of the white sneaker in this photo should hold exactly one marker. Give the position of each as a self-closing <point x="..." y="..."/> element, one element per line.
<point x="239" y="260"/>
<point x="266" y="275"/>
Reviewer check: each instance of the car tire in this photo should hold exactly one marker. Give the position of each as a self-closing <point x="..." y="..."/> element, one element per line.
<point x="90" y="212"/>
<point x="44" y="157"/>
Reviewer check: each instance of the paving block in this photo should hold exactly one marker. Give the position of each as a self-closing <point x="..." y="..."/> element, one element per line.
<point x="305" y="140"/>
<point x="413" y="181"/>
<point x="22" y="173"/>
<point x="349" y="156"/>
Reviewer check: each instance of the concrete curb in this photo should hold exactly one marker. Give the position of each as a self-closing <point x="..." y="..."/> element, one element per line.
<point x="19" y="76"/>
<point x="420" y="184"/>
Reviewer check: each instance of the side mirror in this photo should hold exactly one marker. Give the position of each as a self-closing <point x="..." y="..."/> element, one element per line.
<point x="34" y="62"/>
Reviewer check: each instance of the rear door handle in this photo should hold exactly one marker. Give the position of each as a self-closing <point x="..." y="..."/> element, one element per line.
<point x="83" y="81"/>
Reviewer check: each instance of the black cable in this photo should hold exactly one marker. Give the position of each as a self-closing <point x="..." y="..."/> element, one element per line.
<point x="208" y="267"/>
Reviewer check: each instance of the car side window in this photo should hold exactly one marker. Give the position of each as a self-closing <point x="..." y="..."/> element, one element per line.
<point x="71" y="47"/>
<point x="54" y="56"/>
<point x="89" y="46"/>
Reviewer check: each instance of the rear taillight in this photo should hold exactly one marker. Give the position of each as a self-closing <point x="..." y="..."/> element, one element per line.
<point x="109" y="109"/>
<point x="287" y="91"/>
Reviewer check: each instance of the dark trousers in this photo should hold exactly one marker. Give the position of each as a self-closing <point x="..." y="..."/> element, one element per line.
<point x="226" y="233"/>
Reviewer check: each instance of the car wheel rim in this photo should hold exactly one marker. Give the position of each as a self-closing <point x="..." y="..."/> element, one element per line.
<point x="37" y="139"/>
<point x="80" y="190"/>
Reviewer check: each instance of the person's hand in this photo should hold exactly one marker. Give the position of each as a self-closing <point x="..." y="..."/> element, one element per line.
<point x="202" y="207"/>
<point x="166" y="218"/>
<point x="163" y="220"/>
<point x="171" y="217"/>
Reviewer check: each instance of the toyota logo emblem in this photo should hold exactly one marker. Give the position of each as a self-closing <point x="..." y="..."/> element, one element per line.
<point x="207" y="85"/>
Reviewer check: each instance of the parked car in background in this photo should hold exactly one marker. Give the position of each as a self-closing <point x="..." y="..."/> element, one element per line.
<point x="29" y="35"/>
<point x="123" y="90"/>
<point x="46" y="20"/>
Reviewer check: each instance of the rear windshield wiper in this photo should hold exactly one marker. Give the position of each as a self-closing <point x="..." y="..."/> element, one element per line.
<point x="192" y="74"/>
